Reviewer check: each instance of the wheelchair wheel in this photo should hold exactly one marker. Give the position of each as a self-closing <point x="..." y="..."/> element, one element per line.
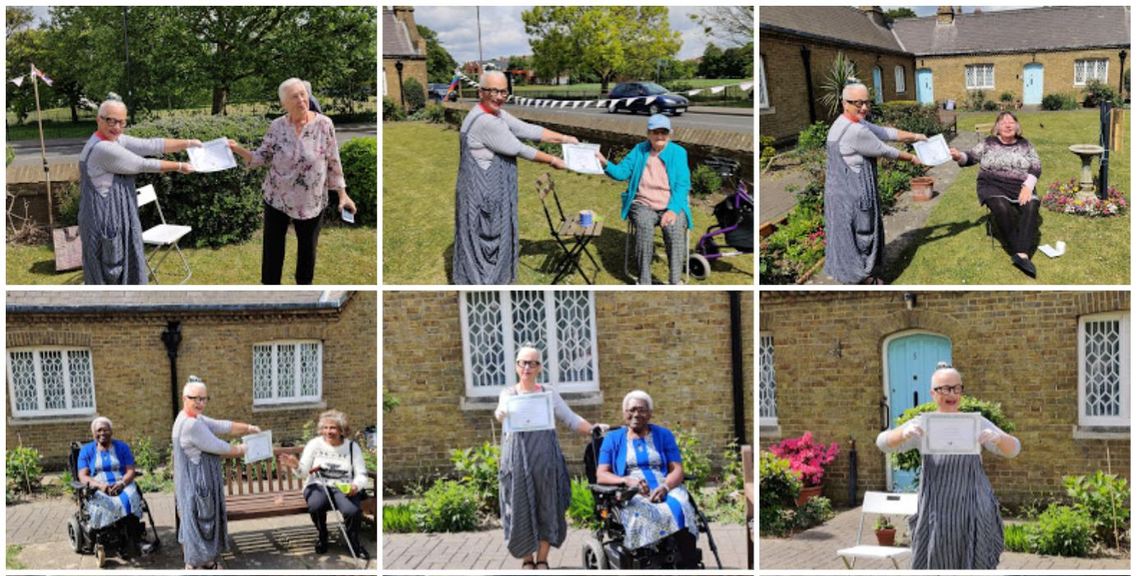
<point x="698" y="266"/>
<point x="75" y="536"/>
<point x="593" y="555"/>
<point x="100" y="555"/>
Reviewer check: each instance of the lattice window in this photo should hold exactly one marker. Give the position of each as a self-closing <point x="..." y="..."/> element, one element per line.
<point x="287" y="372"/>
<point x="978" y="76"/>
<point x="767" y="412"/>
<point x="51" y="381"/>
<point x="761" y="91"/>
<point x="560" y="324"/>
<point x="899" y="79"/>
<point x="1088" y="70"/>
<point x="1105" y="369"/>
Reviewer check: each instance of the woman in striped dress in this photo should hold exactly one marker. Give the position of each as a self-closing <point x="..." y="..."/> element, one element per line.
<point x="533" y="482"/>
<point x="958" y="525"/>
<point x="107" y="465"/>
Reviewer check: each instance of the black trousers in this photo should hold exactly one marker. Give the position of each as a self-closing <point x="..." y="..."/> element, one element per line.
<point x="319" y="506"/>
<point x="273" y="246"/>
<point x="1018" y="225"/>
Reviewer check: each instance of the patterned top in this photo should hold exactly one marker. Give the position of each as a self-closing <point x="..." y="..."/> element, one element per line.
<point x="1005" y="168"/>
<point x="301" y="168"/>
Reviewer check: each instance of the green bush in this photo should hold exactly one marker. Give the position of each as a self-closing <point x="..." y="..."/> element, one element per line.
<point x="813" y="137"/>
<point x="69" y="205"/>
<point x="358" y="156"/>
<point x="448" y="506"/>
<point x="414" y="95"/>
<point x="1062" y="531"/>
<point x="399" y="519"/>
<point x="431" y="113"/>
<point x="767" y="149"/>
<point x="1007" y="96"/>
<point x="910" y="116"/>
<point x="977" y="99"/>
<point x="222" y="207"/>
<point x="10" y="154"/>
<point x="1096" y="92"/>
<point x="990" y="106"/>
<point x="891" y="183"/>
<point x="1059" y="102"/>
<point x="582" y="512"/>
<point x="911" y="460"/>
<point x="778" y="488"/>
<point x="1016" y="538"/>
<point x="23" y="468"/>
<point x="697" y="462"/>
<point x="814" y="512"/>
<point x="1105" y="498"/>
<point x="478" y="468"/>
<point x="392" y="111"/>
<point x="795" y="247"/>
<point x="147" y="458"/>
<point x="705" y="181"/>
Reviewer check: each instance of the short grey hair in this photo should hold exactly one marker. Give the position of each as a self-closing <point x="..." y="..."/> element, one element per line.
<point x="111" y="103"/>
<point x="943" y="368"/>
<point x="637" y="395"/>
<point x="336" y="417"/>
<point x="851" y="87"/>
<point x="525" y="349"/>
<point x="192" y="383"/>
<point x="101" y="420"/>
<point x="289" y="84"/>
<point x="490" y="74"/>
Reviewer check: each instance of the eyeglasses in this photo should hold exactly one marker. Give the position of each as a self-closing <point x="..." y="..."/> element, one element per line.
<point x="495" y="91"/>
<point x="660" y="132"/>
<point x="957" y="390"/>
<point x="115" y="122"/>
<point x="529" y="363"/>
<point x="198" y="398"/>
<point x="638" y="410"/>
<point x="858" y="103"/>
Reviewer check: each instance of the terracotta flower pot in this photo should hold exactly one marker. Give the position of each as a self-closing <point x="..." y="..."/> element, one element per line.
<point x="921" y="188"/>
<point x="807" y="493"/>
<point x="885" y="536"/>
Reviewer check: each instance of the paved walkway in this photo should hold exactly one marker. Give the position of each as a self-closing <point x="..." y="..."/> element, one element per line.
<point x="286" y="542"/>
<point x="815" y="550"/>
<point x="486" y="550"/>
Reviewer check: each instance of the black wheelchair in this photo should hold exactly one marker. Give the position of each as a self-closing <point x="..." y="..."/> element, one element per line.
<point x="126" y="538"/>
<point x="605" y="548"/>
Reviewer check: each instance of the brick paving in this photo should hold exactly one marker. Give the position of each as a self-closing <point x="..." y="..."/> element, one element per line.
<point x="815" y="549"/>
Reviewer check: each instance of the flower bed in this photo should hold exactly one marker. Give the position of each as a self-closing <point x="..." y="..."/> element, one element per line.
<point x="1064" y="197"/>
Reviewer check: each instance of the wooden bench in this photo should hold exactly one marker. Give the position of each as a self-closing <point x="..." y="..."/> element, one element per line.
<point x="263" y="489"/>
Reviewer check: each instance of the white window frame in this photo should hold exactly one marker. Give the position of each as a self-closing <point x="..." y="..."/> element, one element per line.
<point x="766" y="338"/>
<point x="40" y="401"/>
<point x="551" y="364"/>
<point x="764" y="98"/>
<point x="992" y="77"/>
<point x="1083" y="63"/>
<point x="1124" y="417"/>
<point x="276" y="400"/>
<point x="899" y="79"/>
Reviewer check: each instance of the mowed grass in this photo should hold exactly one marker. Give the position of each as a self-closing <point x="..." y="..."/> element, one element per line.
<point x="953" y="248"/>
<point x="344" y="256"/>
<point x="420" y="164"/>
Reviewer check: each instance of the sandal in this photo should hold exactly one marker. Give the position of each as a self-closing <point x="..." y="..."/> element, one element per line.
<point x="541" y="563"/>
<point x="528" y="565"/>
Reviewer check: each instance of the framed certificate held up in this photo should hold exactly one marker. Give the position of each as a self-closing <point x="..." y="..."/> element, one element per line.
<point x="258" y="446"/>
<point x="951" y="433"/>
<point x="529" y="412"/>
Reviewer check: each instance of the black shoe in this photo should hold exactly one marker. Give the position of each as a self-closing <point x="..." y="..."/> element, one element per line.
<point x="361" y="552"/>
<point x="1025" y="265"/>
<point x="321" y="546"/>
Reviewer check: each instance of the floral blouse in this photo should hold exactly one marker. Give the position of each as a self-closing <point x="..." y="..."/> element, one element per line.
<point x="301" y="168"/>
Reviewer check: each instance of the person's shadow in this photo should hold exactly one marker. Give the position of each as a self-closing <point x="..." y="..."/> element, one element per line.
<point x="906" y="245"/>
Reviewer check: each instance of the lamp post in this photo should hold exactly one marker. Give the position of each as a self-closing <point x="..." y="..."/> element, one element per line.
<point x="399" y="76"/>
<point x="1122" y="59"/>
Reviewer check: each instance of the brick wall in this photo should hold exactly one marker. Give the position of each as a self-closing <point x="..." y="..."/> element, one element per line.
<point x="132" y="374"/>
<point x="1016" y="348"/>
<point x="673" y="345"/>
<point x="411" y="69"/>
<point x="787" y="84"/>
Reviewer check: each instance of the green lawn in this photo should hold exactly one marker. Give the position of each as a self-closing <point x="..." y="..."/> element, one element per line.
<point x="345" y="256"/>
<point x="952" y="247"/>
<point x="420" y="163"/>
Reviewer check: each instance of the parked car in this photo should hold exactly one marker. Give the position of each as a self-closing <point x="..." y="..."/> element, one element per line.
<point x="437" y="92"/>
<point x="664" y="102"/>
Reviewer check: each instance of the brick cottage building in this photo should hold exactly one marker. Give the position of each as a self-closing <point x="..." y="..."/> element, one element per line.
<point x="275" y="359"/>
<point x="1029" y="53"/>
<point x="840" y="364"/>
<point x="448" y="354"/>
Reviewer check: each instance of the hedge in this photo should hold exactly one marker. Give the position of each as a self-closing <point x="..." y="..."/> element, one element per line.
<point x="358" y="156"/>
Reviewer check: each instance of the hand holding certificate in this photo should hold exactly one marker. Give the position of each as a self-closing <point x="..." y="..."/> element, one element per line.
<point x="933" y="151"/>
<point x="527" y="412"/>
<point x="258" y="446"/>
<point x="212" y="156"/>
<point x="582" y="158"/>
<point x="951" y="433"/>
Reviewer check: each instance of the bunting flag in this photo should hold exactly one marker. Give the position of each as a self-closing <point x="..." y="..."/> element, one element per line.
<point x="41" y="75"/>
<point x="18" y="81"/>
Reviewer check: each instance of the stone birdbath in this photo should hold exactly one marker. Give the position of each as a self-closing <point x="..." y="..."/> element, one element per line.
<point x="1086" y="152"/>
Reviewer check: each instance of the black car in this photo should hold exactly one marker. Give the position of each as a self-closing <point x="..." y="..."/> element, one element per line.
<point x="664" y="102"/>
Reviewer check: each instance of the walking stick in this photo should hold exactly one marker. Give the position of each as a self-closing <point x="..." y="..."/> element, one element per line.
<point x="339" y="514"/>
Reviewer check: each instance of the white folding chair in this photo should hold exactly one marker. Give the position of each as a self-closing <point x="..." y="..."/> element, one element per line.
<point x="880" y="503"/>
<point x="163" y="237"/>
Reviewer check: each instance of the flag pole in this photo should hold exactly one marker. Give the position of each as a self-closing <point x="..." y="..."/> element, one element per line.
<point x="43" y="149"/>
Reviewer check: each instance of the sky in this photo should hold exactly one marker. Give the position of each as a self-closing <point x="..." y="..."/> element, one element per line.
<point x="503" y="33"/>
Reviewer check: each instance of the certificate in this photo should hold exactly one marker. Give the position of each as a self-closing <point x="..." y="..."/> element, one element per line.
<point x="951" y="433"/>
<point x="258" y="446"/>
<point x="582" y="158"/>
<point x="933" y="151"/>
<point x="212" y="156"/>
<point x="526" y="412"/>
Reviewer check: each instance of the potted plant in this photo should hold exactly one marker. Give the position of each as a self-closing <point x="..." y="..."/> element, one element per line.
<point x="808" y="459"/>
<point x="921" y="188"/>
<point x="885" y="531"/>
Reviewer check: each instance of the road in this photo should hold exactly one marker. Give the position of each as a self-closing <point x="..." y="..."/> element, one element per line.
<point x="706" y="117"/>
<point x="66" y="150"/>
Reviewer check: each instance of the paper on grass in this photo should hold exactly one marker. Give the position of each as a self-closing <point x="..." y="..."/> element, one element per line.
<point x="954" y="433"/>
<point x="582" y="158"/>
<point x="258" y="446"/>
<point x="1056" y="252"/>
<point x="933" y="151"/>
<point x="527" y="412"/>
<point x="212" y="156"/>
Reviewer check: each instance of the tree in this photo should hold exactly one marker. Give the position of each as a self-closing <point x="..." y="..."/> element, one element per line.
<point x="733" y="24"/>
<point x="17" y="18"/>
<point x="440" y="65"/>
<point x="710" y="62"/>
<point x="603" y="41"/>
<point x="895" y="13"/>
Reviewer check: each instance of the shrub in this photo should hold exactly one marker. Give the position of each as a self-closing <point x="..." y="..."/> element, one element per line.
<point x="1096" y="92"/>
<point x="9" y="154"/>
<point x="582" y="513"/>
<point x="990" y="106"/>
<point x="1106" y="500"/>
<point x="813" y="137"/>
<point x="891" y="183"/>
<point x="795" y="247"/>
<point x="431" y="113"/>
<point x="1062" y="531"/>
<point x="448" y="506"/>
<point x="223" y="207"/>
<point x="807" y="457"/>
<point x="69" y="205"/>
<point x="911" y="460"/>
<point x="23" y="468"/>
<point x="705" y="181"/>
<point x="911" y="116"/>
<point x="479" y="469"/>
<point x="399" y="519"/>
<point x="778" y="488"/>
<point x="1007" y="96"/>
<point x="414" y="95"/>
<point x="1016" y="538"/>
<point x="392" y="110"/>
<point x="697" y="462"/>
<point x="1059" y="102"/>
<point x="358" y="157"/>
<point x="977" y="99"/>
<point x="814" y="512"/>
<point x="147" y="458"/>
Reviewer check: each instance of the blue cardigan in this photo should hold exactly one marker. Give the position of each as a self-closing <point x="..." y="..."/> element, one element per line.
<point x="675" y="159"/>
<point x="613" y="449"/>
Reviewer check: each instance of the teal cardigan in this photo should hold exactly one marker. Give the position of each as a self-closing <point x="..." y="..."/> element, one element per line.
<point x="675" y="159"/>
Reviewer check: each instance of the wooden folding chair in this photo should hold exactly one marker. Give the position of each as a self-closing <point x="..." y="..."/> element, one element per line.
<point x="569" y="234"/>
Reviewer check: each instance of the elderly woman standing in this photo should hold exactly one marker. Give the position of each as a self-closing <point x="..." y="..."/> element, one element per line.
<point x="958" y="524"/>
<point x="533" y="482"/>
<point x="645" y="456"/>
<point x="657" y="195"/>
<point x="486" y="190"/>
<point x="855" y="237"/>
<point x="304" y="163"/>
<point x="1006" y="185"/>
<point x="199" y="487"/>
<point x="107" y="465"/>
<point x="342" y="471"/>
<point x="108" y="205"/>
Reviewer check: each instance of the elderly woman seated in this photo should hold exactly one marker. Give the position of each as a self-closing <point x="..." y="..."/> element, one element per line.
<point x="645" y="456"/>
<point x="107" y="465"/>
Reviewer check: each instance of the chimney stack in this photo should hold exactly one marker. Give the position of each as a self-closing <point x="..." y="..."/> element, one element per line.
<point x="944" y="15"/>
<point x="875" y="14"/>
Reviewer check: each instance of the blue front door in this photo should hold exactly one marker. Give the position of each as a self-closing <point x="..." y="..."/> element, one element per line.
<point x="925" y="85"/>
<point x="910" y="361"/>
<point x="877" y="84"/>
<point x="1033" y="83"/>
